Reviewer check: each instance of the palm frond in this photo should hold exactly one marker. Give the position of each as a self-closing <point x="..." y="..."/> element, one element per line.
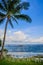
<point x="2" y="15"/>
<point x="2" y="20"/>
<point x="26" y="5"/>
<point x="5" y="4"/>
<point x="24" y="17"/>
<point x="16" y="1"/>
<point x="10" y="22"/>
<point x="2" y="7"/>
<point x="14" y="19"/>
<point x="23" y="5"/>
<point x="12" y="4"/>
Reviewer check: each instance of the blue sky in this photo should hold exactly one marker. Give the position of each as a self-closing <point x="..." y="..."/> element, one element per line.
<point x="27" y="32"/>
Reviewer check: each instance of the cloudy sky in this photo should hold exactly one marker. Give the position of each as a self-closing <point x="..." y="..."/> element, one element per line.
<point x="26" y="33"/>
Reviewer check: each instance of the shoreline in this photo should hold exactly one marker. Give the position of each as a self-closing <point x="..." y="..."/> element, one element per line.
<point x="24" y="54"/>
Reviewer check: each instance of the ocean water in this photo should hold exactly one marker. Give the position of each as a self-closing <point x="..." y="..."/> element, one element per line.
<point x="27" y="50"/>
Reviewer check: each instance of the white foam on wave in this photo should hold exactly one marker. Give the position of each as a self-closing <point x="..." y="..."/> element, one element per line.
<point x="23" y="54"/>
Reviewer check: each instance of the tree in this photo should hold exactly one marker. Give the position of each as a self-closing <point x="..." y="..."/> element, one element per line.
<point x="11" y="9"/>
<point x="0" y="43"/>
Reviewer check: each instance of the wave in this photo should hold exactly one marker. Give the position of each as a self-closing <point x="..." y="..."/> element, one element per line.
<point x="23" y="54"/>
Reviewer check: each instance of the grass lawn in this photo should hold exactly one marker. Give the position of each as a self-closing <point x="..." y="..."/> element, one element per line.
<point x="23" y="61"/>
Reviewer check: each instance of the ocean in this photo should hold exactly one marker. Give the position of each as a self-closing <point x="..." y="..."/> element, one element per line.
<point x="26" y="50"/>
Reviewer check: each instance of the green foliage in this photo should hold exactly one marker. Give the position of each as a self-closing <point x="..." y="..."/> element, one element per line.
<point x="12" y="8"/>
<point x="2" y="7"/>
<point x="24" y="17"/>
<point x="5" y="4"/>
<point x="23" y="61"/>
<point x="21" y="6"/>
<point x="5" y="50"/>
<point x="10" y="23"/>
<point x="2" y="20"/>
<point x="2" y="15"/>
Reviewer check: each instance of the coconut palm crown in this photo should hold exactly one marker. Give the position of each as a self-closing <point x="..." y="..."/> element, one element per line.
<point x="11" y="10"/>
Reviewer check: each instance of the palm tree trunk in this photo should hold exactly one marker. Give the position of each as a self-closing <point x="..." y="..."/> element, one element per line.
<point x="4" y="40"/>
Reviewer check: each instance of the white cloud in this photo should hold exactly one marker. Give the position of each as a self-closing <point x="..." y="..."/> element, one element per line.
<point x="35" y="40"/>
<point x="20" y="36"/>
<point x="16" y="36"/>
<point x="40" y="40"/>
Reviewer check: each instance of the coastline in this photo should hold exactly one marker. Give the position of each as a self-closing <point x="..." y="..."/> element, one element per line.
<point x="24" y="54"/>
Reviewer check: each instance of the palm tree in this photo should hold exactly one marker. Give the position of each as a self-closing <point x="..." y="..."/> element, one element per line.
<point x="0" y="43"/>
<point x="11" y="10"/>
